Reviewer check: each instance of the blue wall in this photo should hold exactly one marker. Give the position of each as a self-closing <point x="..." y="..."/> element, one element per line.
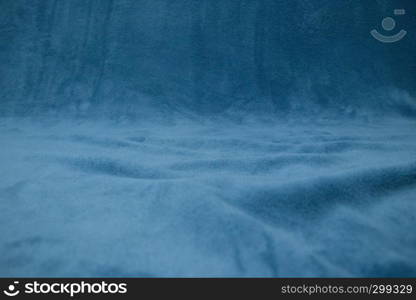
<point x="207" y="57"/>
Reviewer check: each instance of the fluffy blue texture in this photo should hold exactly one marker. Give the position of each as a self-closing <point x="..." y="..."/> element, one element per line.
<point x="206" y="138"/>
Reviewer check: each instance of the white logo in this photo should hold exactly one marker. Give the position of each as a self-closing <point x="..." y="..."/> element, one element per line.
<point x="389" y="24"/>
<point x="11" y="292"/>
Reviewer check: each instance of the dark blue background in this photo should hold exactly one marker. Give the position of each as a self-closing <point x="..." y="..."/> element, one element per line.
<point x="141" y="58"/>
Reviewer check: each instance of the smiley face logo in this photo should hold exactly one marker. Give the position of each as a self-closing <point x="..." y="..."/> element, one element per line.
<point x="389" y="24"/>
<point x="11" y="290"/>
